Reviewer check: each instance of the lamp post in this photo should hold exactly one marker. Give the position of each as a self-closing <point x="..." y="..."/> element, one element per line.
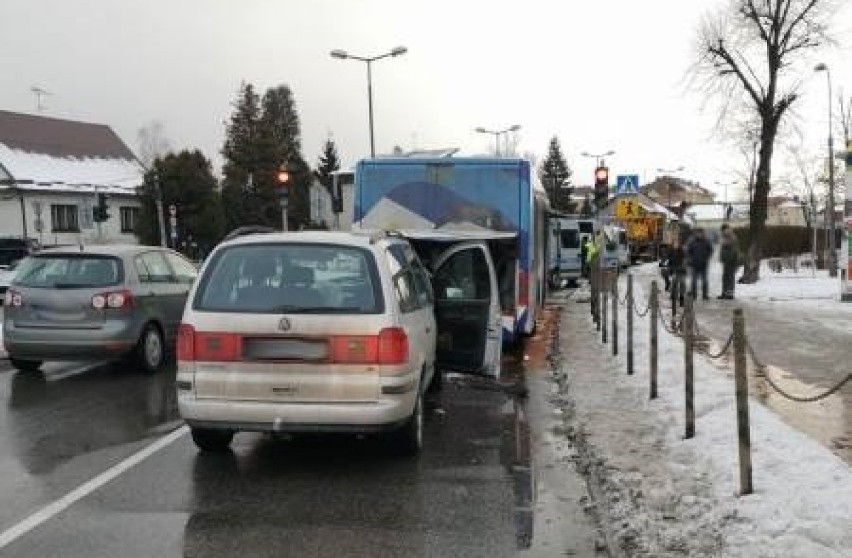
<point x="664" y="172"/>
<point x="497" y="134"/>
<point x="832" y="255"/>
<point x="598" y="157"/>
<point x="343" y="55"/>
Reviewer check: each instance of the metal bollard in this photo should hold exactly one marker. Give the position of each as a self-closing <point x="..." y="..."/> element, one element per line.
<point x="655" y="317"/>
<point x="615" y="316"/>
<point x="630" y="323"/>
<point x="741" y="383"/>
<point x="689" y="383"/>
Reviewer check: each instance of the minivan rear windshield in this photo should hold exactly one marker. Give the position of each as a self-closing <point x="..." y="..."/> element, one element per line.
<point x="69" y="271"/>
<point x="291" y="278"/>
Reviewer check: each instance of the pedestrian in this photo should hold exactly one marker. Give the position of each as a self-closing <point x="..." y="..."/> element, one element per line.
<point x="698" y="253"/>
<point x="729" y="255"/>
<point x="584" y="252"/>
<point x="664" y="266"/>
<point x="676" y="266"/>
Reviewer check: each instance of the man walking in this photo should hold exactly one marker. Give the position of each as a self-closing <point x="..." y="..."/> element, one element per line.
<point x="729" y="255"/>
<point x="584" y="256"/>
<point x="698" y="251"/>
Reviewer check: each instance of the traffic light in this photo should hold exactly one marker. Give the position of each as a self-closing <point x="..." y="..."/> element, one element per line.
<point x="100" y="211"/>
<point x="601" y="186"/>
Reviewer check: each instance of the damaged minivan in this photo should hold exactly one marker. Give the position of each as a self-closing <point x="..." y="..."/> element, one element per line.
<point x="331" y="332"/>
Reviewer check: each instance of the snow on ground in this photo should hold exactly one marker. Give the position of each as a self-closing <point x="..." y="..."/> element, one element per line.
<point x="661" y="495"/>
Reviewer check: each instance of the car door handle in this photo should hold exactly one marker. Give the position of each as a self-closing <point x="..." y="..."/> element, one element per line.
<point x="428" y="330"/>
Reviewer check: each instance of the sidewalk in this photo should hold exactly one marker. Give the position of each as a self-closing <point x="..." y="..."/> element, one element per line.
<point x="662" y="496"/>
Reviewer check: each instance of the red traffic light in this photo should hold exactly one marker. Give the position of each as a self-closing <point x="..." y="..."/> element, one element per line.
<point x="283" y="176"/>
<point x="602" y="175"/>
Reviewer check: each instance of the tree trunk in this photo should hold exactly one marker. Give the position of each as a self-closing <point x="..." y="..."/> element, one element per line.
<point x="757" y="213"/>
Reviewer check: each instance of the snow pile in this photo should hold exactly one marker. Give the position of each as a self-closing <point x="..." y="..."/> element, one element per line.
<point x="660" y="495"/>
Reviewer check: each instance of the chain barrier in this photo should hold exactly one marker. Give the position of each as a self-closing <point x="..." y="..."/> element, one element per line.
<point x="762" y="372"/>
<point x="724" y="350"/>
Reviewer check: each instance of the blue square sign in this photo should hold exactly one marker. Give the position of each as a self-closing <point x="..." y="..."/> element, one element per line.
<point x="627" y="184"/>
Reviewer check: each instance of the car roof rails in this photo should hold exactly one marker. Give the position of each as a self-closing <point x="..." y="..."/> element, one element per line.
<point x="247" y="230"/>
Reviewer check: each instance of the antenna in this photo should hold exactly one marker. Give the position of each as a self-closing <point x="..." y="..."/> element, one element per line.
<point x="39" y="93"/>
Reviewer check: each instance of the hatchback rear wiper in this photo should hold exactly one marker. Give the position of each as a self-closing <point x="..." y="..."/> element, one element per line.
<point x="283" y="308"/>
<point x="73" y="286"/>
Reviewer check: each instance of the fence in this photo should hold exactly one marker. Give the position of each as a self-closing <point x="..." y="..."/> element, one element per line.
<point x="683" y="324"/>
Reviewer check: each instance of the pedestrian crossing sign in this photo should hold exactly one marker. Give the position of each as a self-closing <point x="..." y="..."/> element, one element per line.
<point x="627" y="184"/>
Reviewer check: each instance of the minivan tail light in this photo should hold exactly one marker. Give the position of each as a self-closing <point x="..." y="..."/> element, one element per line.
<point x="393" y="346"/>
<point x="211" y="346"/>
<point x="354" y="349"/>
<point x="390" y="346"/>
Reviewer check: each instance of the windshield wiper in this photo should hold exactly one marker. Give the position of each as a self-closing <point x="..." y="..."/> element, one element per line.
<point x="284" y="308"/>
<point x="74" y="286"/>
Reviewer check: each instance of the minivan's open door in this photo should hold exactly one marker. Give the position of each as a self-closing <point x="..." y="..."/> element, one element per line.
<point x="467" y="310"/>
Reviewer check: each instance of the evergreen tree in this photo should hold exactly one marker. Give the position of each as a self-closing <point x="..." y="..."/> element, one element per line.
<point x="242" y="162"/>
<point x="281" y="144"/>
<point x="328" y="163"/>
<point x="554" y="174"/>
<point x="187" y="182"/>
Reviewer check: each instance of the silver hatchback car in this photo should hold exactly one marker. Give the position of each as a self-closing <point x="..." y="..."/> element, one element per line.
<point x="95" y="302"/>
<point x="307" y="332"/>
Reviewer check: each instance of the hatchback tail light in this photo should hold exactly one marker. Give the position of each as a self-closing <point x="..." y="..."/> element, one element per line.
<point x="393" y="346"/>
<point x="113" y="299"/>
<point x="207" y="346"/>
<point x="13" y="298"/>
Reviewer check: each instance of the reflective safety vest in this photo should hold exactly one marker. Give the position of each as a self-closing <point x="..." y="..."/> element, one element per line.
<point x="591" y="251"/>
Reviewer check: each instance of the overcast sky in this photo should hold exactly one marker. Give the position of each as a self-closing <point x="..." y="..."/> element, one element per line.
<point x="600" y="75"/>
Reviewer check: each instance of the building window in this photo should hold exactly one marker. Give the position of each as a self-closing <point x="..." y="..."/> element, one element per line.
<point x="129" y="216"/>
<point x="64" y="218"/>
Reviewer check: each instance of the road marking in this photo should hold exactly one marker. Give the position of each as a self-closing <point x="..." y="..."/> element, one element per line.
<point x="49" y="511"/>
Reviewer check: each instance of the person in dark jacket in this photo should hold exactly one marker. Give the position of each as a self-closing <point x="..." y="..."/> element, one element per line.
<point x="698" y="253"/>
<point x="729" y="255"/>
<point x="584" y="252"/>
<point x="676" y="265"/>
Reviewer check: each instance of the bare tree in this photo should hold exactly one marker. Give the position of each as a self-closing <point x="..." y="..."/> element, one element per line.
<point x="751" y="58"/>
<point x="845" y="117"/>
<point x="152" y="142"/>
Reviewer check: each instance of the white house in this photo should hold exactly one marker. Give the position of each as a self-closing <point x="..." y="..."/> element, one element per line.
<point x="336" y="216"/>
<point x="51" y="174"/>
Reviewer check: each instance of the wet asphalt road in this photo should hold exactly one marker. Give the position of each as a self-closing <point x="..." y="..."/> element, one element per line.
<point x="468" y="494"/>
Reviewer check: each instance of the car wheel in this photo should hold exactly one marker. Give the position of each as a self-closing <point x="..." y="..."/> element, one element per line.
<point x="25" y="365"/>
<point x="212" y="440"/>
<point x="151" y="350"/>
<point x="408" y="440"/>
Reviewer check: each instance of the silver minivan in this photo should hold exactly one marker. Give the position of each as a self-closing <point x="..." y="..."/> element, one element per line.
<point x="326" y="332"/>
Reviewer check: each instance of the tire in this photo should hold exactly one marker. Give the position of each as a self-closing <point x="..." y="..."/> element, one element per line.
<point x="436" y="384"/>
<point x="408" y="440"/>
<point x="212" y="440"/>
<point x="151" y="349"/>
<point x="25" y="365"/>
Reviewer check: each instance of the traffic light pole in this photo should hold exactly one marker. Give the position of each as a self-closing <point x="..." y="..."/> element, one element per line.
<point x="158" y="201"/>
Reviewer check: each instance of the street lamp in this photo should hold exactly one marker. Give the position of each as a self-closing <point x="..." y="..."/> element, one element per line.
<point x="282" y="177"/>
<point x="343" y="55"/>
<point x="832" y="256"/>
<point x="599" y="157"/>
<point x="497" y="134"/>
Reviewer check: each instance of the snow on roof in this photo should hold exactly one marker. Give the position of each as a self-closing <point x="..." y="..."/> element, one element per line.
<point x="42" y="153"/>
<point x="36" y="171"/>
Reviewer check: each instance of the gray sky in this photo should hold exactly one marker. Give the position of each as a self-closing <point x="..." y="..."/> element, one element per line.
<point x="601" y="75"/>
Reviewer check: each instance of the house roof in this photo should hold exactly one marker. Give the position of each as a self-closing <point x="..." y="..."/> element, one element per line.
<point x="42" y="153"/>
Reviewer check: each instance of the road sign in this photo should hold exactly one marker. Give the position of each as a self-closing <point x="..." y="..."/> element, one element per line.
<point x="627" y="184"/>
<point x="627" y="208"/>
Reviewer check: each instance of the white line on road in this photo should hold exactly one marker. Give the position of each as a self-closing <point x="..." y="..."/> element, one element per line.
<point x="47" y="512"/>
